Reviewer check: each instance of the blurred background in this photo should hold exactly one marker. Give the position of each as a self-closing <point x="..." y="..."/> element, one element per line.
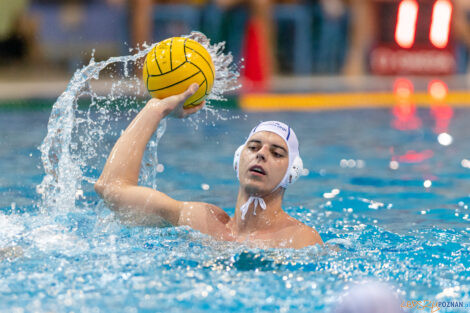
<point x="286" y="45"/>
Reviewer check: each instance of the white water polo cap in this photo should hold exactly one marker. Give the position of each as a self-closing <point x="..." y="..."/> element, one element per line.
<point x="294" y="170"/>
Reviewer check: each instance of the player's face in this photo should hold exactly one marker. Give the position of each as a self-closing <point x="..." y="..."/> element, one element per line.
<point x="263" y="163"/>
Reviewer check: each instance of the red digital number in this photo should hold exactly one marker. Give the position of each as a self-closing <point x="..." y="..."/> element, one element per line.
<point x="407" y="17"/>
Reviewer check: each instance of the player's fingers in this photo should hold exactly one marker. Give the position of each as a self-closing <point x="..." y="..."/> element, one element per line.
<point x="178" y="100"/>
<point x="194" y="109"/>
<point x="189" y="92"/>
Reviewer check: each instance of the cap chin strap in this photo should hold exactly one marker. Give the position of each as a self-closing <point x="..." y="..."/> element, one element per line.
<point x="256" y="201"/>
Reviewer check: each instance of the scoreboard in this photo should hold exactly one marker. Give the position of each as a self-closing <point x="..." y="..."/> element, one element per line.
<point x="413" y="37"/>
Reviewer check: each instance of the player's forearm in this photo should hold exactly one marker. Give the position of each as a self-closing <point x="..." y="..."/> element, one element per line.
<point x="123" y="164"/>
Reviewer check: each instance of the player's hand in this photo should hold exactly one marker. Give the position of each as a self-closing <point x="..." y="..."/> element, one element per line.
<point x="173" y="105"/>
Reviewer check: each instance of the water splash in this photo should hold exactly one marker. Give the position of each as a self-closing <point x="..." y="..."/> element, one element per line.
<point x="79" y="138"/>
<point x="226" y="78"/>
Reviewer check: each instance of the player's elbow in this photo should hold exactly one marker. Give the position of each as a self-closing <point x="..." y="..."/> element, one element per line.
<point x="104" y="186"/>
<point x="100" y="187"/>
<point x="107" y="191"/>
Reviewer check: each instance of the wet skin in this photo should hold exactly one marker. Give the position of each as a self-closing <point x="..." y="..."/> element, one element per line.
<point x="263" y="163"/>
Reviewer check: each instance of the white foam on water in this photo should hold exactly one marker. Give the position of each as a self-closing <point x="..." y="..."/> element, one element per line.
<point x="57" y="238"/>
<point x="10" y="230"/>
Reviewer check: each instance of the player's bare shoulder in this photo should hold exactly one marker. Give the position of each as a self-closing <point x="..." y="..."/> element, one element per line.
<point x="204" y="217"/>
<point x="295" y="234"/>
<point x="306" y="236"/>
<point x="301" y="235"/>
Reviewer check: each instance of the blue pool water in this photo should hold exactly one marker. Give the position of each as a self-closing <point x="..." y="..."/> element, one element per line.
<point x="395" y="203"/>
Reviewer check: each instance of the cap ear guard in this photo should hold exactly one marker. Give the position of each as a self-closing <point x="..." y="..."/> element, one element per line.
<point x="236" y="159"/>
<point x="295" y="171"/>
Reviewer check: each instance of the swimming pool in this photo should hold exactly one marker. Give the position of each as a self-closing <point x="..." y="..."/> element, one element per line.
<point x="394" y="201"/>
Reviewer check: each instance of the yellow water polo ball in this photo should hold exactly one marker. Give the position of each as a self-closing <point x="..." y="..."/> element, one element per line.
<point x="176" y="63"/>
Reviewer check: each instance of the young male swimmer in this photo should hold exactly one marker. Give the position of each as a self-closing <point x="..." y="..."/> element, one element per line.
<point x="266" y="164"/>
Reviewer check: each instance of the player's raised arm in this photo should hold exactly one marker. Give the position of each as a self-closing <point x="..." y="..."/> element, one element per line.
<point x="117" y="184"/>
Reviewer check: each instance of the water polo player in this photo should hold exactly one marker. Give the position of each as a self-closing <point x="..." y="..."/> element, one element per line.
<point x="266" y="164"/>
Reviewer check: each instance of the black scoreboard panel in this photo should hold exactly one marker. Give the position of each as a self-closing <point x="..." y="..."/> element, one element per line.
<point x="413" y="37"/>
